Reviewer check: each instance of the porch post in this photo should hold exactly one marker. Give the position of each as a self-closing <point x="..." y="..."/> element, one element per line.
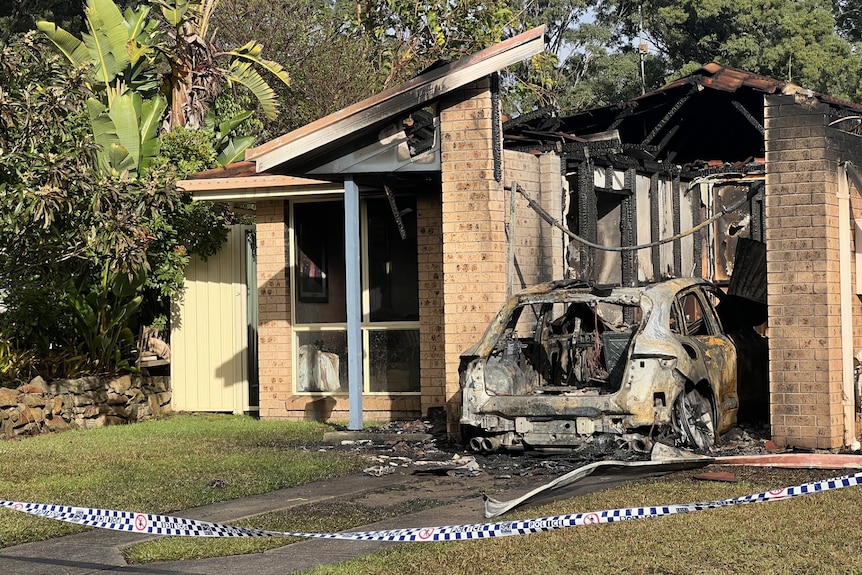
<point x="353" y="287"/>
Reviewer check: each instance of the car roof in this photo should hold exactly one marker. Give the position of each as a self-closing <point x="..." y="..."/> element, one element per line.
<point x="574" y="290"/>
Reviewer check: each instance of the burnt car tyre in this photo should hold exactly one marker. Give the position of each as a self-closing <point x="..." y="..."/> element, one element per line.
<point x="694" y="415"/>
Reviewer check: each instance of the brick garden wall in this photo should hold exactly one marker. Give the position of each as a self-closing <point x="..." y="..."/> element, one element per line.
<point x="803" y="158"/>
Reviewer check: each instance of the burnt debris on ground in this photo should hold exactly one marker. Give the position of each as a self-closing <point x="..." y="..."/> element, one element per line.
<point x="423" y="447"/>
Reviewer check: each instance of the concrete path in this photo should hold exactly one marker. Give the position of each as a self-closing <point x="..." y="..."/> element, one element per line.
<point x="99" y="551"/>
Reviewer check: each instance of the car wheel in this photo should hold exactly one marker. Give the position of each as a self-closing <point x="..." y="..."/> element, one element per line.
<point x="695" y="420"/>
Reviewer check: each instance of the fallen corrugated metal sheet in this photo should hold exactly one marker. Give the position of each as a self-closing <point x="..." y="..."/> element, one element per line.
<point x="664" y="459"/>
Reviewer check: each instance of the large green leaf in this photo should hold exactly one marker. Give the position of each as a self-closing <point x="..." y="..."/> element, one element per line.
<point x="234" y="150"/>
<point x="108" y="39"/>
<point x="71" y="47"/>
<point x="251" y="52"/>
<point x="243" y="73"/>
<point x="125" y="112"/>
<point x="174" y="11"/>
<point x="152" y="111"/>
<point x="104" y="134"/>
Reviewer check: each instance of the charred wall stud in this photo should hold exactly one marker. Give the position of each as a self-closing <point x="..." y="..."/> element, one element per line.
<point x="628" y="217"/>
<point x="677" y="228"/>
<point x="655" y="220"/>
<point x="697" y="248"/>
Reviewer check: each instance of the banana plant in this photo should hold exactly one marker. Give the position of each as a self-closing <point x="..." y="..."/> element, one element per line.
<point x="103" y="312"/>
<point x="125" y="51"/>
<point x="126" y="132"/>
<point x="199" y="69"/>
<point x="120" y="48"/>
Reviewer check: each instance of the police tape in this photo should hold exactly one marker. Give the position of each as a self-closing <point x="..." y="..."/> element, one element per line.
<point x="152" y="524"/>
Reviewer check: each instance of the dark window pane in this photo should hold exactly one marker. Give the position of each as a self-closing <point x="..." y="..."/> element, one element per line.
<point x="319" y="262"/>
<point x="394" y="360"/>
<point x="393" y="270"/>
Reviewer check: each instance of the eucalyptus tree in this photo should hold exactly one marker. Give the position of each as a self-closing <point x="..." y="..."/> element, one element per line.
<point x="808" y="42"/>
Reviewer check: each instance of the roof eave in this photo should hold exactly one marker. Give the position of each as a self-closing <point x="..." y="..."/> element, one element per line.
<point x="256" y="188"/>
<point x="416" y="92"/>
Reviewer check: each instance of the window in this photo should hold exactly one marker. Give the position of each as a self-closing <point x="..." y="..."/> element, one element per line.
<point x="319" y="262"/>
<point x="696" y="322"/>
<point x="390" y="302"/>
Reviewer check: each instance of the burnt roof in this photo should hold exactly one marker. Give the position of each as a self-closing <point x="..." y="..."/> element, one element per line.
<point x="712" y="115"/>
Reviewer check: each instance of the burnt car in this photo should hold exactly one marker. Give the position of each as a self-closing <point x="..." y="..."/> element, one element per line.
<point x="564" y="364"/>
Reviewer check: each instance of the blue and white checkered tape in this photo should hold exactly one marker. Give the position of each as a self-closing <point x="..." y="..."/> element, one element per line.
<point x="177" y="526"/>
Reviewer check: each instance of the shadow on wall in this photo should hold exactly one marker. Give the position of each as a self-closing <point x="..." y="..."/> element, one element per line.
<point x="319" y="409"/>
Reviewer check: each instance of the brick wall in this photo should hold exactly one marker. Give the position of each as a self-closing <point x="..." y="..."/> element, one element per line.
<point x="803" y="158"/>
<point x="475" y="209"/>
<point x="474" y="239"/>
<point x="539" y="248"/>
<point x="432" y="349"/>
<point x="274" y="332"/>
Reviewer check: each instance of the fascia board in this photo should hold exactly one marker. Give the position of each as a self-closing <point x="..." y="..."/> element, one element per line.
<point x="437" y="83"/>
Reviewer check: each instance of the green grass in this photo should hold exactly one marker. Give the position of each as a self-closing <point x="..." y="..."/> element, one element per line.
<point x="323" y="517"/>
<point x="815" y="534"/>
<point x="158" y="466"/>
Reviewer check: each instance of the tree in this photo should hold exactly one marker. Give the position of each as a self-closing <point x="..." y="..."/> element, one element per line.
<point x="794" y="40"/>
<point x="611" y="50"/>
<point x="146" y="77"/>
<point x="848" y="16"/>
<point x="417" y="35"/>
<point x="339" y="52"/>
<point x="63" y="224"/>
<point x="330" y="64"/>
<point x="19" y="16"/>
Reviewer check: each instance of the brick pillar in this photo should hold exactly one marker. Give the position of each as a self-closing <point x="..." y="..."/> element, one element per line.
<point x="432" y="367"/>
<point x="474" y="241"/>
<point x="274" y="307"/>
<point x="805" y="356"/>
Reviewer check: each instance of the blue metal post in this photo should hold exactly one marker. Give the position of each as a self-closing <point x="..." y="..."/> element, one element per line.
<point x="354" y="301"/>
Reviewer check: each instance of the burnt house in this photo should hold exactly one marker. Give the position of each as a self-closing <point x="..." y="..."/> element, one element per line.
<point x="755" y="180"/>
<point x="389" y="234"/>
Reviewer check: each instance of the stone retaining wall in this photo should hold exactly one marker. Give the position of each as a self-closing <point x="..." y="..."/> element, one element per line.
<point x="41" y="407"/>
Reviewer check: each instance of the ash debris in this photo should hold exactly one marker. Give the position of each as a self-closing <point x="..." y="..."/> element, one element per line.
<point x="423" y="447"/>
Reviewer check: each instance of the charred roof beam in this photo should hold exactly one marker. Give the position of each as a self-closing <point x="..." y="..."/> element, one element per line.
<point x="625" y="113"/>
<point x="751" y="119"/>
<point x="667" y="117"/>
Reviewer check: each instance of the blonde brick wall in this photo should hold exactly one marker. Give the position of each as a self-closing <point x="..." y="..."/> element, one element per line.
<point x="802" y="163"/>
<point x="273" y="287"/>
<point x="432" y="366"/>
<point x="539" y="248"/>
<point x="473" y="235"/>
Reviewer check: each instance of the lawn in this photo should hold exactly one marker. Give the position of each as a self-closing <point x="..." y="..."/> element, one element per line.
<point x="814" y="534"/>
<point x="168" y="465"/>
<point x="158" y="466"/>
